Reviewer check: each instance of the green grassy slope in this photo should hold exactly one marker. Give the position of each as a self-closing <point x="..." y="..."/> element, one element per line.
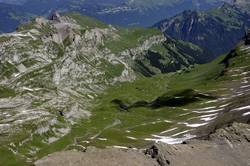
<point x="85" y="21"/>
<point x="130" y="37"/>
<point x="116" y="125"/>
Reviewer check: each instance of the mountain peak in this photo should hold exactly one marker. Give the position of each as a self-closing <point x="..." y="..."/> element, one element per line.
<point x="54" y="16"/>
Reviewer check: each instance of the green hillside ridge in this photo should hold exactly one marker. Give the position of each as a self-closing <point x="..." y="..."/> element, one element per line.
<point x="85" y="21"/>
<point x="170" y="56"/>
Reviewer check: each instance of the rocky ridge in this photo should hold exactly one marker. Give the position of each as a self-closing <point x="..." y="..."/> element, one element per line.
<point x="229" y="145"/>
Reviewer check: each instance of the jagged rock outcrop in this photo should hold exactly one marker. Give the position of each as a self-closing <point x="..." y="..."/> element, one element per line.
<point x="54" y="16"/>
<point x="227" y="146"/>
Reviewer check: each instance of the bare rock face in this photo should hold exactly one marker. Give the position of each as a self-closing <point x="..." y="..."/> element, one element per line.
<point x="227" y="146"/>
<point x="97" y="157"/>
<point x="236" y="133"/>
<point x="41" y="21"/>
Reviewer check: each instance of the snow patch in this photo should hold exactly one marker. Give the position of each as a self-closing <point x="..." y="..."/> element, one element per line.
<point x="241" y="108"/>
<point x="169" y="130"/>
<point x="195" y="125"/>
<point x="102" y="139"/>
<point x="133" y="138"/>
<point x="208" y="119"/>
<point x="120" y="147"/>
<point x="245" y="114"/>
<point x="170" y="140"/>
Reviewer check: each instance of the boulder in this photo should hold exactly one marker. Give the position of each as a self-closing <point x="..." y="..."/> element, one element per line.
<point x="247" y="41"/>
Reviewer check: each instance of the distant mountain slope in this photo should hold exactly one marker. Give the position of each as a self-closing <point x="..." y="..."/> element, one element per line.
<point x="170" y="56"/>
<point x="119" y="12"/>
<point x="11" y="16"/>
<point x="216" y="30"/>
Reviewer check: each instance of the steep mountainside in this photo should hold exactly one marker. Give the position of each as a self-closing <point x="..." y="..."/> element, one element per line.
<point x="52" y="70"/>
<point x="217" y="30"/>
<point x="119" y="12"/>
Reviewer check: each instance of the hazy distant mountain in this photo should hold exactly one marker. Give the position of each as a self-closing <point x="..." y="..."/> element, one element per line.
<point x="16" y="2"/>
<point x="11" y="16"/>
<point x="119" y="12"/>
<point x="216" y="30"/>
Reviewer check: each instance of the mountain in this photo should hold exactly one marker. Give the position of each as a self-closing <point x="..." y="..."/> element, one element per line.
<point x="121" y="12"/>
<point x="216" y="30"/>
<point x="245" y="4"/>
<point x="53" y="70"/>
<point x="72" y="82"/>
